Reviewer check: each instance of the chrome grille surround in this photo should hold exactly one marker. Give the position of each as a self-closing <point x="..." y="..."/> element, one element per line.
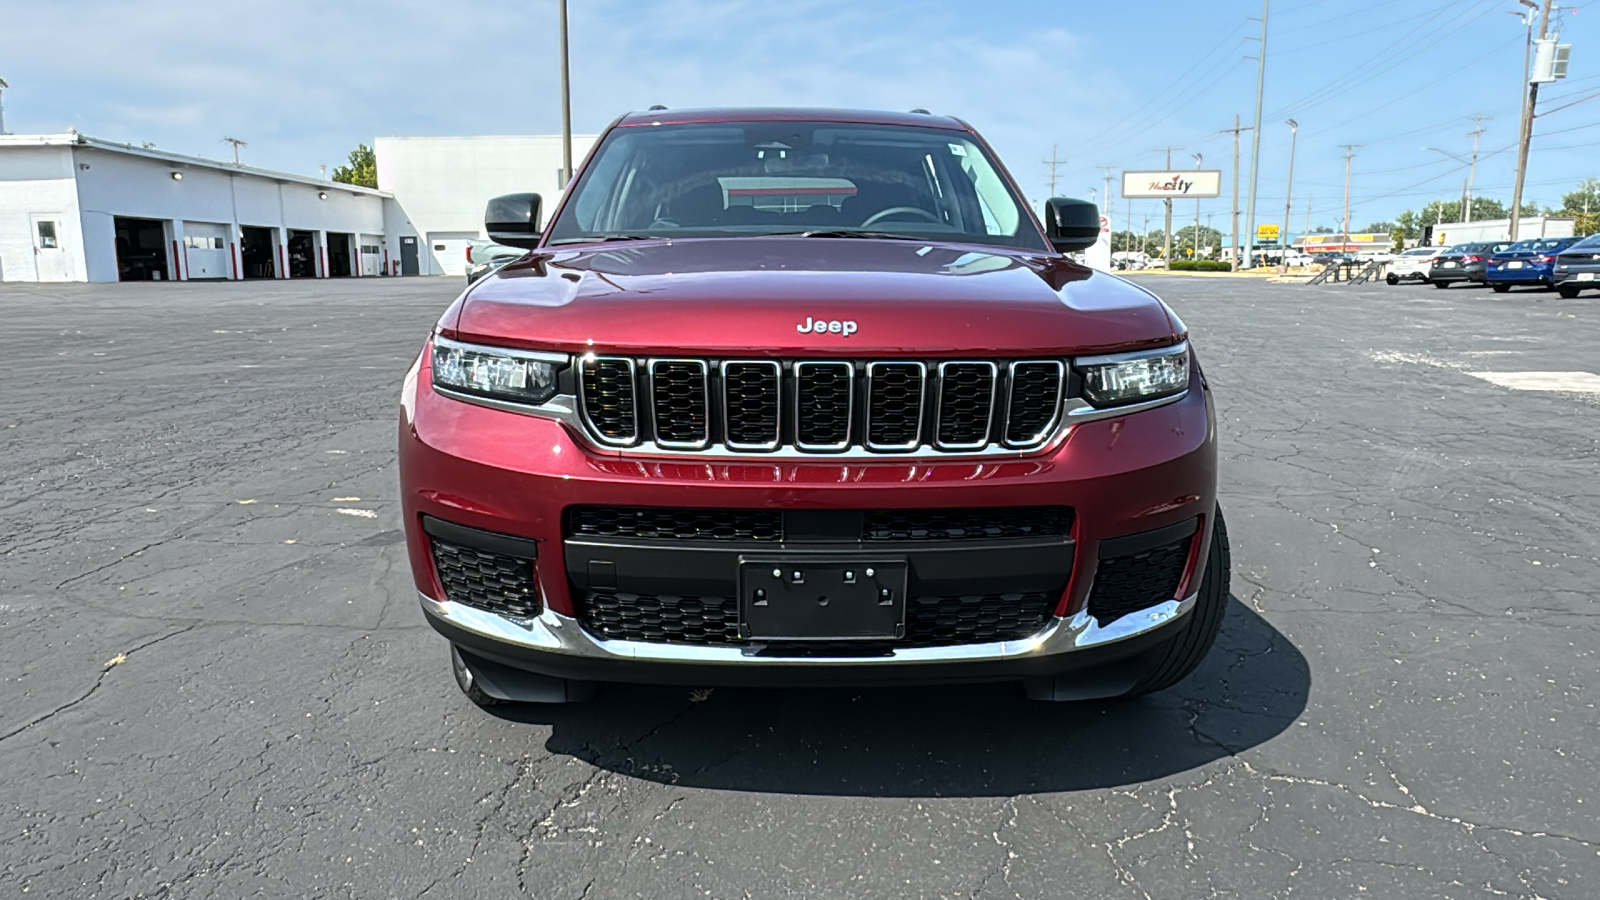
<point x="574" y="408"/>
<point x="810" y="419"/>
<point x="593" y="399"/>
<point x="971" y="383"/>
<point x="681" y="389"/>
<point x="913" y="402"/>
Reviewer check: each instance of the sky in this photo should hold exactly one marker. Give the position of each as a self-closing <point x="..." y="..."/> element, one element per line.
<point x="1098" y="84"/>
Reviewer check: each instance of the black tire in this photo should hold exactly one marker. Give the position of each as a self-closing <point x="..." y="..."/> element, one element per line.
<point x="1184" y="651"/>
<point x="1500" y="288"/>
<point x="1392" y="278"/>
<point x="1441" y="284"/>
<point x="1567" y="293"/>
<point x="468" y="684"/>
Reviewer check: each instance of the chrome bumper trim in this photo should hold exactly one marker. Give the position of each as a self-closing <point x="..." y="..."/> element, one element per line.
<point x="552" y="632"/>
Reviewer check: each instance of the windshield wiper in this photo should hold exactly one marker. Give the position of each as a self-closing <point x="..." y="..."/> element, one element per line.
<point x="604" y="238"/>
<point x="852" y="233"/>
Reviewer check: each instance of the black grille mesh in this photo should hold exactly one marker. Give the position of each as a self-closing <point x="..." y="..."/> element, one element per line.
<point x="1126" y="584"/>
<point x="1035" y="395"/>
<point x="930" y="621"/>
<point x="966" y="396"/>
<point x="493" y="582"/>
<point x="676" y="524"/>
<point x="679" y="392"/>
<point x="966" y="524"/>
<point x="661" y="618"/>
<point x="975" y="619"/>
<point x="823" y="417"/>
<point x="608" y="398"/>
<point x="894" y="404"/>
<point x="751" y="392"/>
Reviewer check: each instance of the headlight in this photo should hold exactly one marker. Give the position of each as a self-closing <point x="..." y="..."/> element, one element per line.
<point x="517" y="376"/>
<point x="1135" y="377"/>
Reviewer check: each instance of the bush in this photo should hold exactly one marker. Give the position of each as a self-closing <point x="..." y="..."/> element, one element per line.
<point x="1200" y="265"/>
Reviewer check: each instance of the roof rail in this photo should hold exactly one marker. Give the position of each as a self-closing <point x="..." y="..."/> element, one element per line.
<point x="656" y="108"/>
<point x="922" y="111"/>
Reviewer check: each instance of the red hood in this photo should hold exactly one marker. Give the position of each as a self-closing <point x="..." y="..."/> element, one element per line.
<point x="748" y="295"/>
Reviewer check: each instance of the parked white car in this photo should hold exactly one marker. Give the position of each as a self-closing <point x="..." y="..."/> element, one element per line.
<point x="1413" y="265"/>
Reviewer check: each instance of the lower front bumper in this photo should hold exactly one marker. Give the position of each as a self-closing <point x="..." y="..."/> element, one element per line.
<point x="556" y="645"/>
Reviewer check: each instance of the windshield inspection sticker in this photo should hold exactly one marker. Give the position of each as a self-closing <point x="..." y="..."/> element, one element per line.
<point x="957" y="150"/>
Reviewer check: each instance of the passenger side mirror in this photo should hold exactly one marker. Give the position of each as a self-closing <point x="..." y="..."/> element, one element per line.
<point x="1071" y="224"/>
<point x="513" y="220"/>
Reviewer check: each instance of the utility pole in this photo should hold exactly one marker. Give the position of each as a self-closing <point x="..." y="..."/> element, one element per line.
<point x="566" y="105"/>
<point x="1198" y="159"/>
<point x="1527" y="130"/>
<point x="1349" y="154"/>
<point x="1288" y="200"/>
<point x="1477" y="122"/>
<point x="3" y="87"/>
<point x="1309" y="198"/>
<point x="236" y="145"/>
<point x="1054" y="163"/>
<point x="1255" y="141"/>
<point x="1166" y="248"/>
<point x="1235" y="132"/>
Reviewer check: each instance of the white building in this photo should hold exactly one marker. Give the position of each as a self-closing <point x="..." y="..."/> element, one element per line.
<point x="74" y="208"/>
<point x="441" y="185"/>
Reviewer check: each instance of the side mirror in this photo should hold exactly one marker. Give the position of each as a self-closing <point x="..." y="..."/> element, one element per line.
<point x="513" y="220"/>
<point x="1071" y="224"/>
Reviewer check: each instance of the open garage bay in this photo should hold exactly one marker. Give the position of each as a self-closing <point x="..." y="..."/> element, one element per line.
<point x="214" y="680"/>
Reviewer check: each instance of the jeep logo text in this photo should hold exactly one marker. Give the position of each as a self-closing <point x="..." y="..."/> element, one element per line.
<point x="834" y="326"/>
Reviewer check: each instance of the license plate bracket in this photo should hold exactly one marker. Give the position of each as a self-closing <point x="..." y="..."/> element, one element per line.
<point x="813" y="598"/>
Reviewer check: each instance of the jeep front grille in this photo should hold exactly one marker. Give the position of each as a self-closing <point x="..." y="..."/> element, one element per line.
<point x="821" y="406"/>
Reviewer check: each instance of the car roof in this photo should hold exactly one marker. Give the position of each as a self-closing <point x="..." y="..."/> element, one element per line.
<point x="790" y="114"/>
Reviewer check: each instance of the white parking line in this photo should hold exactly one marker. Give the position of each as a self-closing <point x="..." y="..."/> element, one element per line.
<point x="1561" y="382"/>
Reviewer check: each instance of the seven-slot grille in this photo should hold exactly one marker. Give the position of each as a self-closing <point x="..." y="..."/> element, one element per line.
<point x="821" y="406"/>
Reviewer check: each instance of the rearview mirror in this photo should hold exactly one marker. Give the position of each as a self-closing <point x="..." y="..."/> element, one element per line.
<point x="1071" y="224"/>
<point x="513" y="220"/>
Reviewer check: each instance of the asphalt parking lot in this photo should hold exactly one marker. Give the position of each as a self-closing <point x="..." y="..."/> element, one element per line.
<point x="214" y="681"/>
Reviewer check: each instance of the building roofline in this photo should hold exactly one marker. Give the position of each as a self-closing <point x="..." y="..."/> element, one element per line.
<point x="74" y="139"/>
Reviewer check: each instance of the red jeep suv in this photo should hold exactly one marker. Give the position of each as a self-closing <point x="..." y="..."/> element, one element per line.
<point x="809" y="397"/>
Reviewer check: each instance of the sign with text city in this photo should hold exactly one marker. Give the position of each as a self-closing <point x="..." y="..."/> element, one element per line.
<point x="1179" y="184"/>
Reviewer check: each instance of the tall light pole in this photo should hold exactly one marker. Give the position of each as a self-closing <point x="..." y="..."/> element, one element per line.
<point x="3" y="87"/>
<point x="1198" y="159"/>
<point x="566" y="105"/>
<point x="1255" y="141"/>
<point x="1288" y="200"/>
<point x="1527" y="129"/>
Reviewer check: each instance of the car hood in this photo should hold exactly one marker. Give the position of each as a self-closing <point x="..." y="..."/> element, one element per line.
<point x="753" y="295"/>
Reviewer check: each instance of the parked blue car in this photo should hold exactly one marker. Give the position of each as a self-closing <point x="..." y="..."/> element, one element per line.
<point x="1530" y="263"/>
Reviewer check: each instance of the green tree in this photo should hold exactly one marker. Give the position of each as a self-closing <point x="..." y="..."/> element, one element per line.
<point x="1583" y="204"/>
<point x="363" y="168"/>
<point x="1183" y="245"/>
<point x="1378" y="228"/>
<point x="1321" y="229"/>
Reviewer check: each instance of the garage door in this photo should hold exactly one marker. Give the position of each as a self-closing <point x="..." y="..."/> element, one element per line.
<point x="447" y="252"/>
<point x="205" y="250"/>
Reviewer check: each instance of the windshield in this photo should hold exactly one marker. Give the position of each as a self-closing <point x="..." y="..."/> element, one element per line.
<point x="725" y="179"/>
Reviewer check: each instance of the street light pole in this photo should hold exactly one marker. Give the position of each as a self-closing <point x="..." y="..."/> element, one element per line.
<point x="1472" y="171"/>
<point x="3" y="87"/>
<point x="1288" y="199"/>
<point x="566" y="105"/>
<point x="1198" y="159"/>
<point x="1349" y="154"/>
<point x="1255" y="142"/>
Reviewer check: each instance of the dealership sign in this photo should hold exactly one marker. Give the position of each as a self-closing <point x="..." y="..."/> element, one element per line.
<point x="1184" y="183"/>
<point x="1266" y="232"/>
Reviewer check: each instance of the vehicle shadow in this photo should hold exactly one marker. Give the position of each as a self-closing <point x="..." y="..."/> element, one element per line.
<point x="969" y="740"/>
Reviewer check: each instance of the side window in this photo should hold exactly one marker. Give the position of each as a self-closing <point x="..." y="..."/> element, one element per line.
<point x="47" y="235"/>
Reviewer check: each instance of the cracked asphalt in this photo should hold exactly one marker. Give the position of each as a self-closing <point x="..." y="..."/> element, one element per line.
<point x="214" y="681"/>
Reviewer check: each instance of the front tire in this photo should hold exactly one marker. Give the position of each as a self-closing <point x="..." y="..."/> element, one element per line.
<point x="1441" y="284"/>
<point x="468" y="684"/>
<point x="1500" y="288"/>
<point x="1185" y="650"/>
<point x="1567" y="293"/>
<point x="1392" y="278"/>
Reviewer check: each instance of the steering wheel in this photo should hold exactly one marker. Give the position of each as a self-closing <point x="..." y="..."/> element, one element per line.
<point x="882" y="214"/>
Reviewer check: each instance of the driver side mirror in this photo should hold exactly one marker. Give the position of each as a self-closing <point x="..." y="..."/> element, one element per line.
<point x="513" y="220"/>
<point x="1071" y="224"/>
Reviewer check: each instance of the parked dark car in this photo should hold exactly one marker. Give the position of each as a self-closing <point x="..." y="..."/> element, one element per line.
<point x="1577" y="268"/>
<point x="1464" y="262"/>
<point x="1530" y="263"/>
